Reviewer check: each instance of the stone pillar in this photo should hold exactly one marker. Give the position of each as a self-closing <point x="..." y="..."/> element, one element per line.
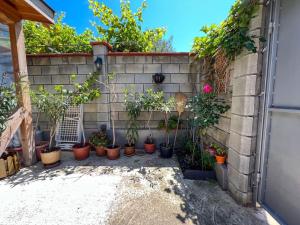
<point x="100" y="49"/>
<point x="246" y="77"/>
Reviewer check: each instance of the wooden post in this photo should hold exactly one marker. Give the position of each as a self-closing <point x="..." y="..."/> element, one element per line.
<point x="22" y="88"/>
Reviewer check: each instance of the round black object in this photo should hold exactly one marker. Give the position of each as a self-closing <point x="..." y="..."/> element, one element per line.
<point x="158" y="78"/>
<point x="166" y="152"/>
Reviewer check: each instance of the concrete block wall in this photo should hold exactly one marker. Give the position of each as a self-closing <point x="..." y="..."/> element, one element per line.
<point x="134" y="70"/>
<point x="237" y="129"/>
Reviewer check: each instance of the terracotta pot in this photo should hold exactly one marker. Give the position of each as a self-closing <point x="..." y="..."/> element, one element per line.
<point x="51" y="157"/>
<point x="220" y="159"/>
<point x="113" y="152"/>
<point x="40" y="147"/>
<point x="149" y="148"/>
<point x="129" y="150"/>
<point x="100" y="150"/>
<point x="81" y="152"/>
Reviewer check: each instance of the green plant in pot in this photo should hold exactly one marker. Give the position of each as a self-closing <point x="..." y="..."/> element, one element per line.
<point x="166" y="149"/>
<point x="112" y="150"/>
<point x="206" y="110"/>
<point x="53" y="104"/>
<point x="99" y="141"/>
<point x="152" y="101"/>
<point x="133" y="105"/>
<point x="220" y="155"/>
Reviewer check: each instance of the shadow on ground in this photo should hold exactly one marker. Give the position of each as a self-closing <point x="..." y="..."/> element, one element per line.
<point x="151" y="191"/>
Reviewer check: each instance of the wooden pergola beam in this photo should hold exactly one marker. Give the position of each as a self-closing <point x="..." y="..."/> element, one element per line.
<point x="10" y="11"/>
<point x="12" y="125"/>
<point x="22" y="88"/>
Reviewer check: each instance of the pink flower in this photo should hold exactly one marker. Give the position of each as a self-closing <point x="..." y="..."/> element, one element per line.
<point x="207" y="89"/>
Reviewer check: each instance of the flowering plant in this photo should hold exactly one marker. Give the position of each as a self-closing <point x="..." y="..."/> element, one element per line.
<point x="206" y="109"/>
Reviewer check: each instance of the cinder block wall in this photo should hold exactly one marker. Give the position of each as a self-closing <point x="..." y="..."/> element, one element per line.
<point x="237" y="129"/>
<point x="134" y="70"/>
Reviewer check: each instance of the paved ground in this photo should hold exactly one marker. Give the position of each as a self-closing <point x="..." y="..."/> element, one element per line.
<point x="141" y="190"/>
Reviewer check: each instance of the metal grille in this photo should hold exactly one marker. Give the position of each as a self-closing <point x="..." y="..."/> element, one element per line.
<point x="70" y="129"/>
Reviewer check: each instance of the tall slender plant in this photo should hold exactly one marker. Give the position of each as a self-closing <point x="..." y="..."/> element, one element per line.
<point x="133" y="106"/>
<point x="166" y="107"/>
<point x="152" y="101"/>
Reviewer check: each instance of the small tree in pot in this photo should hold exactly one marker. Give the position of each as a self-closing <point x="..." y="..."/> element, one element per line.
<point x="151" y="101"/>
<point x="54" y="104"/>
<point x="112" y="150"/>
<point x="133" y="105"/>
<point x="166" y="150"/>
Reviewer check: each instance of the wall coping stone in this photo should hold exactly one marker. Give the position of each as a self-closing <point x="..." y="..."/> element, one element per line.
<point x="59" y="54"/>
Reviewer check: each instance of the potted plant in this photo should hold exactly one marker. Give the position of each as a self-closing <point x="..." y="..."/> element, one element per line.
<point x="206" y="109"/>
<point x="220" y="155"/>
<point x="53" y="104"/>
<point x="151" y="101"/>
<point x="133" y="105"/>
<point x="166" y="149"/>
<point x="112" y="150"/>
<point x="99" y="141"/>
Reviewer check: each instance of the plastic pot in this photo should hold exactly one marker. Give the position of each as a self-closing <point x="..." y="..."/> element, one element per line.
<point x="220" y="159"/>
<point x="51" y="157"/>
<point x="81" y="152"/>
<point x="165" y="151"/>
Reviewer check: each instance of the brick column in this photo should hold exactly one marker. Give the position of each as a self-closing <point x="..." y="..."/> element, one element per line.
<point x="100" y="49"/>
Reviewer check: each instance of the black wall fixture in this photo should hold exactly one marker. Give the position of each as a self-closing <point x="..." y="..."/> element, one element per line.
<point x="158" y="78"/>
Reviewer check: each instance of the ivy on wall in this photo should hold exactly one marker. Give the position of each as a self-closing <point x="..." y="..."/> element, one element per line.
<point x="231" y="36"/>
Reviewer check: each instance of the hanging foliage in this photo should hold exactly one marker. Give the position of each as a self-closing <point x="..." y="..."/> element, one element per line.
<point x="231" y="36"/>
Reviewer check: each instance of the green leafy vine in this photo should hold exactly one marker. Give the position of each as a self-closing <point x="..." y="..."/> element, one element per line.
<point x="231" y="36"/>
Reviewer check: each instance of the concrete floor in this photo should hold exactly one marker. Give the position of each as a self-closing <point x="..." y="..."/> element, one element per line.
<point x="143" y="189"/>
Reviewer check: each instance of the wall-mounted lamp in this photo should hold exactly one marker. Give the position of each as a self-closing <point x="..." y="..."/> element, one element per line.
<point x="98" y="63"/>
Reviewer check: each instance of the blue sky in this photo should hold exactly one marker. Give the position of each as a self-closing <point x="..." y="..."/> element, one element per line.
<point x="182" y="18"/>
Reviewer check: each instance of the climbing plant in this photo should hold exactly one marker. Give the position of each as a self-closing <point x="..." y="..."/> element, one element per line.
<point x="231" y="36"/>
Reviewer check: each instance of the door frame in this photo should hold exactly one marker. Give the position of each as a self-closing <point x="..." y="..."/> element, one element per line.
<point x="267" y="84"/>
<point x="270" y="52"/>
